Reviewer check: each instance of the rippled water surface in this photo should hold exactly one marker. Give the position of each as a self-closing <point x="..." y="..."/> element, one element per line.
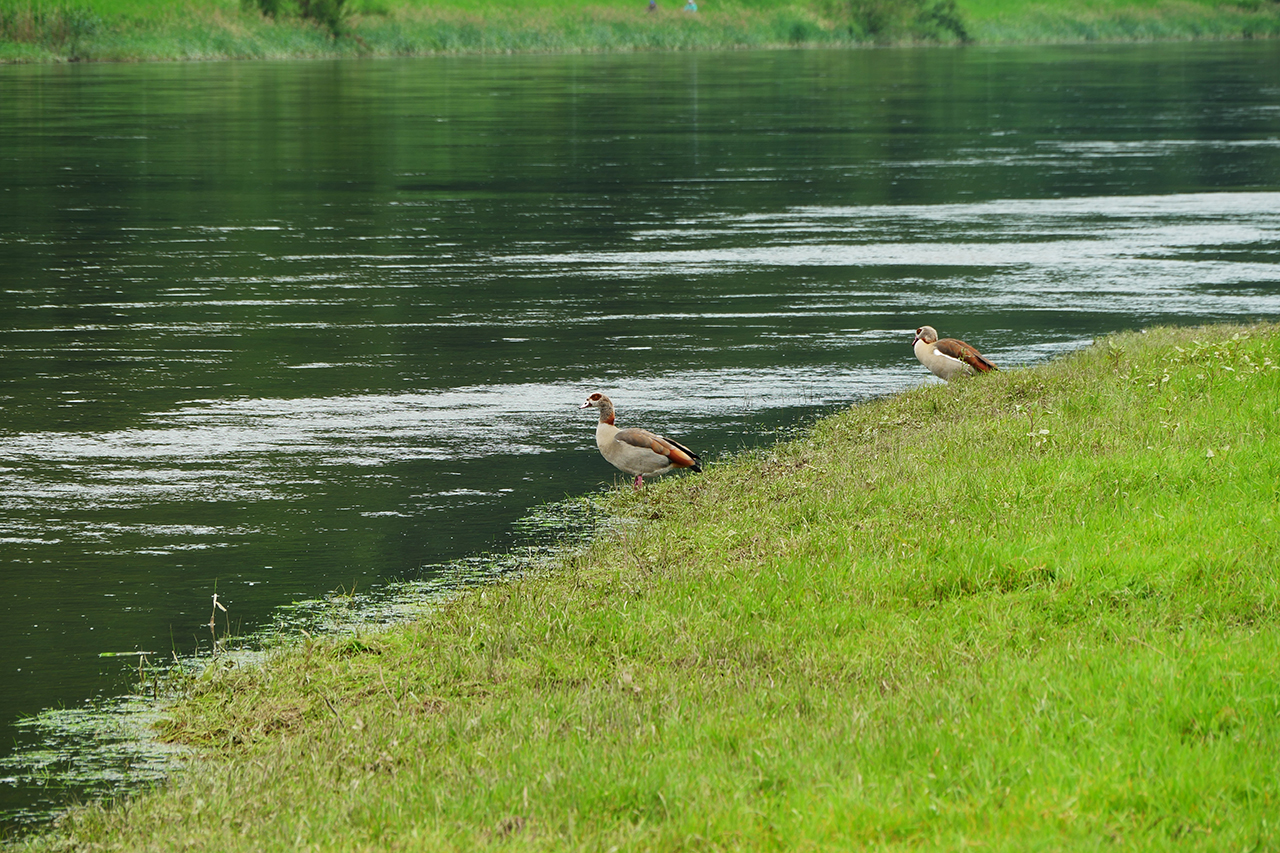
<point x="279" y="329"/>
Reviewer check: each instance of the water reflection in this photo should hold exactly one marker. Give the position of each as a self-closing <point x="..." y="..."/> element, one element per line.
<point x="1201" y="255"/>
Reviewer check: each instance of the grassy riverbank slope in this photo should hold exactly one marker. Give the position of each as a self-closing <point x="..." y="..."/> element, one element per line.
<point x="1039" y="610"/>
<point x="130" y="30"/>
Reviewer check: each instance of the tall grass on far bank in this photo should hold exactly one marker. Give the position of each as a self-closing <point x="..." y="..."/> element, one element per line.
<point x="331" y="15"/>
<point x="1036" y="21"/>
<point x="1037" y="610"/>
<point x="30" y="31"/>
<point x="122" y="30"/>
<point x="33" y="30"/>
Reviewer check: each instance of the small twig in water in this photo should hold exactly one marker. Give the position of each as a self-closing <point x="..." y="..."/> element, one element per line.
<point x="217" y="605"/>
<point x="213" y="622"/>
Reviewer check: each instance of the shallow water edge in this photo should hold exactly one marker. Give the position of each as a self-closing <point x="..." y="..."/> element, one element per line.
<point x="112" y="747"/>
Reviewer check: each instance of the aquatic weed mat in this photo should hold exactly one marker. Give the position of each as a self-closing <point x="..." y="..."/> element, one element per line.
<point x="111" y="747"/>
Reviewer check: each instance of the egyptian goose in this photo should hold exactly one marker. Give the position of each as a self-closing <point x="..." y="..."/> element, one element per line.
<point x="948" y="358"/>
<point x="637" y="451"/>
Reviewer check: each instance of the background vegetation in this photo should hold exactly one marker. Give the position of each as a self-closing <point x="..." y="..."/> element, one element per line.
<point x="57" y="30"/>
<point x="1034" y="611"/>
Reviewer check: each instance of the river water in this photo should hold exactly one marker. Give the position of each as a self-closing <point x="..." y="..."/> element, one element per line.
<point x="272" y="330"/>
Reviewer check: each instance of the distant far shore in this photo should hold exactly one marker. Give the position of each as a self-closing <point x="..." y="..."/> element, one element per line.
<point x="38" y="31"/>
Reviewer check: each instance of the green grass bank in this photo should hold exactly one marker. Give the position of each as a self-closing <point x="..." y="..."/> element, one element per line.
<point x="1036" y="611"/>
<point x="136" y="30"/>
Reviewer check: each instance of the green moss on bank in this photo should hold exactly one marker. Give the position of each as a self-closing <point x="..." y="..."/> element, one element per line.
<point x="1038" y="610"/>
<point x="126" y="30"/>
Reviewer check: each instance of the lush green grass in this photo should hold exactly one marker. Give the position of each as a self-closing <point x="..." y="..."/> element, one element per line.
<point x="1003" y="21"/>
<point x="200" y="29"/>
<point x="1035" y="611"/>
<point x="57" y="30"/>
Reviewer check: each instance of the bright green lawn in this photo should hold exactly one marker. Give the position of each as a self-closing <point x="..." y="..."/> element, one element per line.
<point x="1036" y="611"/>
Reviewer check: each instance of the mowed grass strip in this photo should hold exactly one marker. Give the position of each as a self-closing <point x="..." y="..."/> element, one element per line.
<point x="1037" y="610"/>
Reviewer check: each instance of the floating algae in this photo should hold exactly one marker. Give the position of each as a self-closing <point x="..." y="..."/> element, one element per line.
<point x="111" y="748"/>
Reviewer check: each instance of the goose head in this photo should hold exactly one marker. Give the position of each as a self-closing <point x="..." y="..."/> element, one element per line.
<point x="928" y="334"/>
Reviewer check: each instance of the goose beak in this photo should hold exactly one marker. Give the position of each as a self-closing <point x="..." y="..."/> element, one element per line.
<point x="585" y="405"/>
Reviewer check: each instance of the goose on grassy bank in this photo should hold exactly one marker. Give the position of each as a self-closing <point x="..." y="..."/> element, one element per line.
<point x="948" y="358"/>
<point x="637" y="451"/>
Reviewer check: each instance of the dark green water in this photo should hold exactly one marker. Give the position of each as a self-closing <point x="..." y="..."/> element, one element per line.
<point x="276" y="329"/>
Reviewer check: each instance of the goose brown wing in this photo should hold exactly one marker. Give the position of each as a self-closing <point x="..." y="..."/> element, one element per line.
<point x="680" y="456"/>
<point x="963" y="352"/>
